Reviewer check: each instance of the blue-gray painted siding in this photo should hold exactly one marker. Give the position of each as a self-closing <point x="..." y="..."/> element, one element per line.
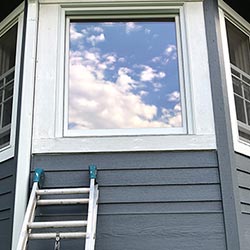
<point x="7" y="190"/>
<point x="154" y="200"/>
<point x="243" y="170"/>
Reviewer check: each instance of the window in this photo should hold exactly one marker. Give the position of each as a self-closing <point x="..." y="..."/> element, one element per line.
<point x="10" y="47"/>
<point x="239" y="52"/>
<point x="7" y="72"/>
<point x="124" y="74"/>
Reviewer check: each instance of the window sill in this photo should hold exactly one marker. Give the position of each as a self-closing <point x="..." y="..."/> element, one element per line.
<point x="242" y="147"/>
<point x="6" y="153"/>
<point x="124" y="144"/>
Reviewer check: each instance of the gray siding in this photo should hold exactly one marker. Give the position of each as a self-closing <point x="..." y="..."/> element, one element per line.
<point x="7" y="189"/>
<point x="243" y="169"/>
<point x="154" y="200"/>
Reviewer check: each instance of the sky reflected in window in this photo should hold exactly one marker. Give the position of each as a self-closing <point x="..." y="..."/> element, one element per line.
<point x="123" y="75"/>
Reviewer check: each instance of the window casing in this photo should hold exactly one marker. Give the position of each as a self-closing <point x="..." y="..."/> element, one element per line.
<point x="10" y="29"/>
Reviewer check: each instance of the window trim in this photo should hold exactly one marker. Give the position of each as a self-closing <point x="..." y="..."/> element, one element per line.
<point x="14" y="18"/>
<point x="124" y="131"/>
<point x="226" y="12"/>
<point x="49" y="138"/>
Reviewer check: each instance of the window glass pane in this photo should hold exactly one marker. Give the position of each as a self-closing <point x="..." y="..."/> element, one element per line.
<point x="239" y="49"/>
<point x="246" y="91"/>
<point x="248" y="112"/>
<point x="124" y="75"/>
<point x="244" y="135"/>
<point x="1" y="95"/>
<point x="7" y="108"/>
<point x="7" y="72"/>
<point x="1" y="83"/>
<point x="237" y="86"/>
<point x="240" y="109"/>
<point x="8" y="50"/>
<point x="4" y="138"/>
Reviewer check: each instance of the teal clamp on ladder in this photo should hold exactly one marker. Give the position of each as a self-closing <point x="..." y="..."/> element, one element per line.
<point x="36" y="200"/>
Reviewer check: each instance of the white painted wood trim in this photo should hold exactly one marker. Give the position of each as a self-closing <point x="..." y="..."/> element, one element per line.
<point x="14" y="18"/>
<point x="114" y="1"/>
<point x="126" y="143"/>
<point x="49" y="136"/>
<point x="133" y="131"/>
<point x="24" y="150"/>
<point x="240" y="146"/>
<point x="198" y="67"/>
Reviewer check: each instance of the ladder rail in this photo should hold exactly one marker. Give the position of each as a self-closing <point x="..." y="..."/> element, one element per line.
<point x="93" y="195"/>
<point x="30" y="211"/>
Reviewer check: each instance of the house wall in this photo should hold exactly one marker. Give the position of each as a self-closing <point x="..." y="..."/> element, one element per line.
<point x="153" y="200"/>
<point x="160" y="198"/>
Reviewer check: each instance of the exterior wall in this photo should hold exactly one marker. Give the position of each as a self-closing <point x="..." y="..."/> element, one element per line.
<point x="147" y="200"/>
<point x="243" y="170"/>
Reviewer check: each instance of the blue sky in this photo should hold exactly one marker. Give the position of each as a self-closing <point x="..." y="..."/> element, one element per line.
<point x="123" y="75"/>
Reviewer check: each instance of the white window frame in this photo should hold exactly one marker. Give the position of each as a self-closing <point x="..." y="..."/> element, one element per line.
<point x="16" y="17"/>
<point x="240" y="145"/>
<point x="124" y="131"/>
<point x="49" y="136"/>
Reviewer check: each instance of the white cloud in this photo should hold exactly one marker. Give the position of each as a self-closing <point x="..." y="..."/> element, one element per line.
<point x="124" y="81"/>
<point x="157" y="86"/>
<point x="174" y="96"/>
<point x="110" y="59"/>
<point x="98" y="29"/>
<point x="74" y="34"/>
<point x="132" y="27"/>
<point x="122" y="60"/>
<point x="96" y="103"/>
<point x="147" y="31"/>
<point x="171" y="52"/>
<point x="148" y="74"/>
<point x="173" y="117"/>
<point x="93" y="39"/>
<point x="156" y="59"/>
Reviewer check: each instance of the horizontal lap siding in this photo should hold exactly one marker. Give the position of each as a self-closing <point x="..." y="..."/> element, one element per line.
<point x="243" y="170"/>
<point x="7" y="182"/>
<point x="155" y="200"/>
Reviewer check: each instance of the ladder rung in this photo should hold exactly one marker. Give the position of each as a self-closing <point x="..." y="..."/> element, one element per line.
<point x="72" y="235"/>
<point x="62" y="202"/>
<point x="57" y="224"/>
<point x="63" y="191"/>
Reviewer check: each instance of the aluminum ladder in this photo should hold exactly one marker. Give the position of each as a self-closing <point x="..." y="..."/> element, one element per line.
<point x="36" y="200"/>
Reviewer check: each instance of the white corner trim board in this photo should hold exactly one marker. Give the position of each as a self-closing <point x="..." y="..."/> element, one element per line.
<point x="24" y="153"/>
